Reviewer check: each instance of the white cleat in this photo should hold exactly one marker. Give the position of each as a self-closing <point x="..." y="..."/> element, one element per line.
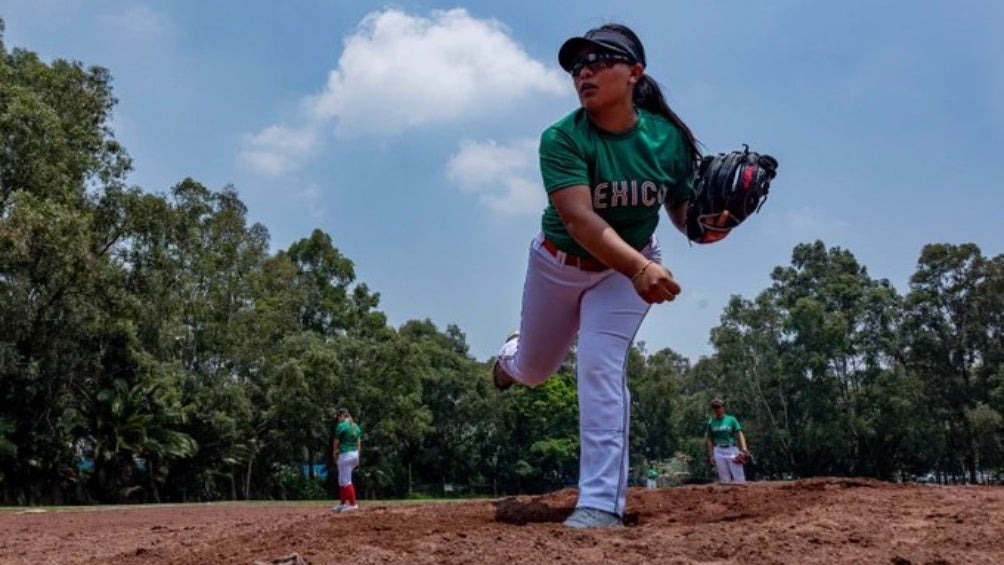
<point x="500" y="378"/>
<point x="593" y="518"/>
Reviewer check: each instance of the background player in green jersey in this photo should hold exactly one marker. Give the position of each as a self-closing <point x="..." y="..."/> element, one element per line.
<point x="725" y="441"/>
<point x="346" y="446"/>
<point x="652" y="478"/>
<point x="609" y="169"/>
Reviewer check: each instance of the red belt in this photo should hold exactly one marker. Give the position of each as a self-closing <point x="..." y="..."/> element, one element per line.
<point x="584" y="263"/>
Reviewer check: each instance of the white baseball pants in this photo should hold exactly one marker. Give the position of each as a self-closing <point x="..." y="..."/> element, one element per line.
<point x="728" y="470"/>
<point x="346" y="463"/>
<point x="561" y="302"/>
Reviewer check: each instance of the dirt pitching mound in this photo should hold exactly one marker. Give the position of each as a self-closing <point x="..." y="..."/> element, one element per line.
<point x="810" y="521"/>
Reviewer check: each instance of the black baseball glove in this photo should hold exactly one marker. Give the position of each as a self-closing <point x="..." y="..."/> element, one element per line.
<point x="729" y="187"/>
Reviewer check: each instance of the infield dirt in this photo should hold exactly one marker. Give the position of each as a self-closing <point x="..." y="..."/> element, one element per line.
<point x="809" y="521"/>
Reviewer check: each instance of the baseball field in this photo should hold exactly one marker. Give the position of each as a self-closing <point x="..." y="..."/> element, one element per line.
<point x="823" y="520"/>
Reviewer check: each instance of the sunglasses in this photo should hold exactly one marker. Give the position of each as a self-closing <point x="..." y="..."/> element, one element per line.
<point x="596" y="62"/>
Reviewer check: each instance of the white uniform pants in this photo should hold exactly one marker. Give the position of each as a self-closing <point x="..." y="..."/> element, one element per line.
<point x="559" y="302"/>
<point x="728" y="470"/>
<point x="346" y="463"/>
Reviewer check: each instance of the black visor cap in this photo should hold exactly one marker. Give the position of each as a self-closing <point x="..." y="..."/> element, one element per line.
<point x="604" y="40"/>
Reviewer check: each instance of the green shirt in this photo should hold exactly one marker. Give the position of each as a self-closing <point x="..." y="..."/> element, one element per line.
<point x="347" y="433"/>
<point x="653" y="474"/>
<point x="723" y="432"/>
<point x="630" y="175"/>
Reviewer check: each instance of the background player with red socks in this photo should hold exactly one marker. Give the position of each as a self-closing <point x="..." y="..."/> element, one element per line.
<point x="346" y="447"/>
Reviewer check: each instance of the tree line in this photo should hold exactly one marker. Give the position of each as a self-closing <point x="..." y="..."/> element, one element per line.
<point x="154" y="348"/>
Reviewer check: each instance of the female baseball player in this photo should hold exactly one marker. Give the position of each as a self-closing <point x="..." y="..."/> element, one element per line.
<point x="595" y="268"/>
<point x="346" y="447"/>
<point x="723" y="433"/>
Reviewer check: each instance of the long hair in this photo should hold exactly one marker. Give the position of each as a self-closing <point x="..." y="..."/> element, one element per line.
<point x="648" y="94"/>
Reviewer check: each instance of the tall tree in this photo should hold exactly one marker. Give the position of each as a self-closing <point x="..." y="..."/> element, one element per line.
<point x="61" y="171"/>
<point x="954" y="330"/>
<point x="655" y="383"/>
<point x="325" y="276"/>
<point x="807" y="350"/>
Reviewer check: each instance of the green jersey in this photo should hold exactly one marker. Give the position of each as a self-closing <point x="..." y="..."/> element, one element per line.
<point x="630" y="175"/>
<point x="723" y="432"/>
<point x="347" y="433"/>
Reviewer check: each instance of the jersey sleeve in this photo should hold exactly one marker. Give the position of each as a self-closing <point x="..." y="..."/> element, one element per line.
<point x="683" y="167"/>
<point x="562" y="163"/>
<point x="736" y="427"/>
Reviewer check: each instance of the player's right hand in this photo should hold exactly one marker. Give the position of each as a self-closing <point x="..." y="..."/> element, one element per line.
<point x="656" y="285"/>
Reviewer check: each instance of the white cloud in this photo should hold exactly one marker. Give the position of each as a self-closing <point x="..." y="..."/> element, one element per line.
<point x="139" y="21"/>
<point x="277" y="149"/>
<point x="400" y="71"/>
<point x="504" y="176"/>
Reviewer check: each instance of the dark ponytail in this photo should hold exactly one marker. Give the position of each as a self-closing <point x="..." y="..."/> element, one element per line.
<point x="648" y="93"/>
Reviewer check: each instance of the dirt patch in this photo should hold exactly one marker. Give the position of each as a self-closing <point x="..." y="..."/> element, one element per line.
<point x="812" y="521"/>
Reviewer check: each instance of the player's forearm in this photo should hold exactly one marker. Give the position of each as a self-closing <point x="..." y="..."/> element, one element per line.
<point x="742" y="441"/>
<point x="595" y="234"/>
<point x="678" y="215"/>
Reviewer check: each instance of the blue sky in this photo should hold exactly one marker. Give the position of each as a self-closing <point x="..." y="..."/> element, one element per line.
<point x="407" y="130"/>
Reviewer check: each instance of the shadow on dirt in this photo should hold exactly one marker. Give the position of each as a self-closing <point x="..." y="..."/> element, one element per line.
<point x="513" y="510"/>
<point x="541" y="509"/>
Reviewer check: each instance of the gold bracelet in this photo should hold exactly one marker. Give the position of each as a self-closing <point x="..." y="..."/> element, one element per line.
<point x="640" y="271"/>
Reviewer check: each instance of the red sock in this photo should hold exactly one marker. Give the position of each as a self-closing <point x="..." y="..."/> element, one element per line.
<point x="343" y="494"/>
<point x="350" y="490"/>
